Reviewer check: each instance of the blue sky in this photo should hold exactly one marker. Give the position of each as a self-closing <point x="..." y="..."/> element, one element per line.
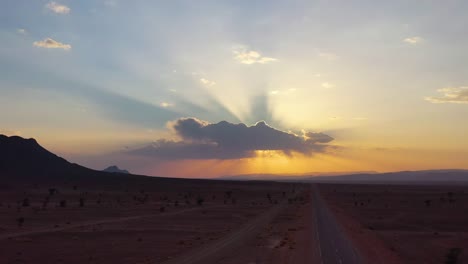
<point x="95" y="77"/>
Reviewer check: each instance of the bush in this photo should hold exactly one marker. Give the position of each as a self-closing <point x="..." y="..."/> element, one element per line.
<point x="20" y="221"/>
<point x="452" y="256"/>
<point x="200" y="201"/>
<point x="25" y="202"/>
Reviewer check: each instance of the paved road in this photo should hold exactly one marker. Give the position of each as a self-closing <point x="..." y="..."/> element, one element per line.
<point x="334" y="246"/>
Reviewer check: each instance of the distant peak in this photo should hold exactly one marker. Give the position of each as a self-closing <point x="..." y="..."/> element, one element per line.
<point x="115" y="169"/>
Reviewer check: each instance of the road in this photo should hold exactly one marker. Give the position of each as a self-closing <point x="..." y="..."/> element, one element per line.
<point x="329" y="246"/>
<point x="328" y="243"/>
<point x="213" y="251"/>
<point x="334" y="246"/>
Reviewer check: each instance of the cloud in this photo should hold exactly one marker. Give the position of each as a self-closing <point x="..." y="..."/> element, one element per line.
<point x="328" y="85"/>
<point x="454" y="95"/>
<point x="328" y="56"/>
<point x="58" y="8"/>
<point x="245" y="56"/>
<point x="49" y="43"/>
<point x="207" y="83"/>
<point x="22" y="31"/>
<point x="413" y="40"/>
<point x="165" y="104"/>
<point x="283" y="92"/>
<point x="224" y="140"/>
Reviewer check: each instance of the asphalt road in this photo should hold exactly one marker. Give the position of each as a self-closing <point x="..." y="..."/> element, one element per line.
<point x="334" y="246"/>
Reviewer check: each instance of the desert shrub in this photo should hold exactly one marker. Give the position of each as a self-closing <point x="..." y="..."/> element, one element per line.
<point x="428" y="202"/>
<point x="25" y="202"/>
<point x="20" y="221"/>
<point x="52" y="191"/>
<point x="452" y="256"/>
<point x="200" y="201"/>
<point x="63" y="203"/>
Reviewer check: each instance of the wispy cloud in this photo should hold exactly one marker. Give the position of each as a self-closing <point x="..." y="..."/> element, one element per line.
<point x="454" y="95"/>
<point x="283" y="92"/>
<point x="165" y="104"/>
<point x="58" y="8"/>
<point x="328" y="85"/>
<point x="22" y="31"/>
<point x="328" y="56"/>
<point x="207" y="83"/>
<point x="246" y="56"/>
<point x="413" y="40"/>
<point x="49" y="43"/>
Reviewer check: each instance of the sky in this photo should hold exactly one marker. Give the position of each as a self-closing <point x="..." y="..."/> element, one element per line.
<point x="211" y="88"/>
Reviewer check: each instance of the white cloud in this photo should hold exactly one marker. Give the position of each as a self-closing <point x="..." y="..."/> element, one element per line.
<point x="245" y="56"/>
<point x="328" y="56"/>
<point x="283" y="92"/>
<point x="454" y="95"/>
<point x="328" y="85"/>
<point x="413" y="40"/>
<point x="49" y="43"/>
<point x="207" y="83"/>
<point x="165" y="104"/>
<point x="21" y="31"/>
<point x="275" y="92"/>
<point x="58" y="8"/>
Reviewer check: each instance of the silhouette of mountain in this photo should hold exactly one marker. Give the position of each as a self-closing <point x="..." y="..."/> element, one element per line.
<point x="23" y="162"/>
<point x="420" y="177"/>
<point x="25" y="157"/>
<point x="115" y="169"/>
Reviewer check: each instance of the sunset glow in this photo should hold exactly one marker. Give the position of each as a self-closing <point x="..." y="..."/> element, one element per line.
<point x="215" y="88"/>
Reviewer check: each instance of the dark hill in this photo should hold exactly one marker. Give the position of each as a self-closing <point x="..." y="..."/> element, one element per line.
<point x="115" y="169"/>
<point x="21" y="157"/>
<point x="24" y="163"/>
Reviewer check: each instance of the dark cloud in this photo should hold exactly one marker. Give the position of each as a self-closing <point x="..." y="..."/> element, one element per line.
<point x="224" y="140"/>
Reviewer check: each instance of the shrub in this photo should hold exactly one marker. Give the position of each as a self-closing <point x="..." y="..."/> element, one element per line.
<point x="25" y="202"/>
<point x="20" y="221"/>
<point x="200" y="201"/>
<point x="452" y="256"/>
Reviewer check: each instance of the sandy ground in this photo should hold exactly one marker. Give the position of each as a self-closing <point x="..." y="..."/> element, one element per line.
<point x="403" y="224"/>
<point x="132" y="225"/>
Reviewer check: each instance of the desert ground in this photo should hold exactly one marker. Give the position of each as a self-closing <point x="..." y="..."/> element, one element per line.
<point x="403" y="223"/>
<point x="154" y="223"/>
<point x="197" y="221"/>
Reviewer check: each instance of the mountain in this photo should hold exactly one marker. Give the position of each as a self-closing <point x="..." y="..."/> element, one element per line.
<point x="25" y="162"/>
<point x="20" y="157"/>
<point x="420" y="177"/>
<point x="115" y="169"/>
